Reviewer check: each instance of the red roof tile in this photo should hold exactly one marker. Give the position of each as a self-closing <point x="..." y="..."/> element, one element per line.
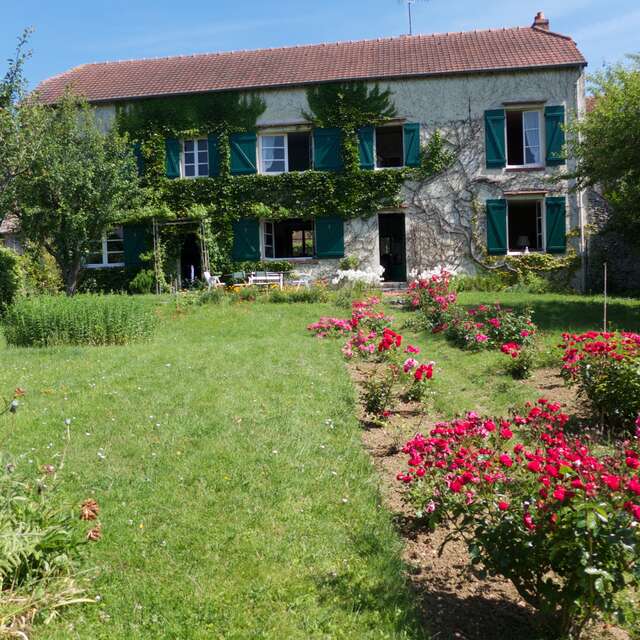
<point x="405" y="56"/>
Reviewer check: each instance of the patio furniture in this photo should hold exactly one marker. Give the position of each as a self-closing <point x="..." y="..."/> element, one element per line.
<point x="212" y="280"/>
<point x="266" y="279"/>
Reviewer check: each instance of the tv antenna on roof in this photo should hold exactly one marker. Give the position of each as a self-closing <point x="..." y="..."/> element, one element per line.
<point x="409" y="3"/>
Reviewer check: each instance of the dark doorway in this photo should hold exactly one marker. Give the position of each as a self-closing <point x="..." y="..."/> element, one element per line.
<point x="393" y="255"/>
<point x="190" y="260"/>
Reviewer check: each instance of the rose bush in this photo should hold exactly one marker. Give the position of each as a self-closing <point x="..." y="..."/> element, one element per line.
<point x="433" y="297"/>
<point x="536" y="506"/>
<point x="606" y="369"/>
<point x="489" y="327"/>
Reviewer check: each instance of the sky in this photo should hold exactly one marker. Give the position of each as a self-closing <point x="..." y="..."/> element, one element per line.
<point x="72" y="32"/>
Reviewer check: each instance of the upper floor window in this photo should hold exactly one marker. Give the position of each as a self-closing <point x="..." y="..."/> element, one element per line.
<point x="108" y="251"/>
<point x="389" y="147"/>
<point x="195" y="158"/>
<point x="284" y="152"/>
<point x="523" y="138"/>
<point x="292" y="238"/>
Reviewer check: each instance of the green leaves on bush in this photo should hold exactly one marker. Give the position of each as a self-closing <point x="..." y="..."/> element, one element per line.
<point x="84" y="319"/>
<point x="10" y="278"/>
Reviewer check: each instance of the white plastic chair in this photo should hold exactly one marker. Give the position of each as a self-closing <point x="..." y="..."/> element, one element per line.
<point x="212" y="281"/>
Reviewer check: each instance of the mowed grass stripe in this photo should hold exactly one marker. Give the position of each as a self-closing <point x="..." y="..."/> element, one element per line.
<point x="227" y="520"/>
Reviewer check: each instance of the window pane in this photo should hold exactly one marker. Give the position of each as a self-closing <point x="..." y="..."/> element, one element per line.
<point x="272" y="141"/>
<point x="189" y="170"/>
<point x="203" y="169"/>
<point x="94" y="258"/>
<point x="273" y="153"/>
<point x="524" y="225"/>
<point x="188" y="145"/>
<point x="299" y="151"/>
<point x="515" y="152"/>
<point x="531" y="137"/>
<point x="189" y="158"/>
<point x="271" y="166"/>
<point x="115" y="258"/>
<point x="202" y="144"/>
<point x="389" y="147"/>
<point x="203" y="156"/>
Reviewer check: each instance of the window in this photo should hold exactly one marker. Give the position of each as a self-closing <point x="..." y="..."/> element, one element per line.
<point x="288" y="238"/>
<point x="524" y="226"/>
<point x="107" y="252"/>
<point x="523" y="138"/>
<point x="285" y="152"/>
<point x="389" y="147"/>
<point x="195" y="158"/>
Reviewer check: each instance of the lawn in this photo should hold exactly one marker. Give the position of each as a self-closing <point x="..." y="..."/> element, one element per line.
<point x="476" y="381"/>
<point x="237" y="501"/>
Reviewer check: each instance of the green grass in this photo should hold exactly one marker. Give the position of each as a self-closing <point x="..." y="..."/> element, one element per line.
<point x="236" y="499"/>
<point x="476" y="381"/>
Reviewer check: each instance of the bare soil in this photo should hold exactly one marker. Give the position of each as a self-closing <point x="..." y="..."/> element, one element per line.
<point x="455" y="603"/>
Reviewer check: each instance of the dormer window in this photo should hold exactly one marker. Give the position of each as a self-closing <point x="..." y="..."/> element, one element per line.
<point x="523" y="138"/>
<point x="195" y="158"/>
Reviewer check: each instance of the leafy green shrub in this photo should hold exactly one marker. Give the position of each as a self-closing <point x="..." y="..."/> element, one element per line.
<point x="303" y="294"/>
<point x="11" y="278"/>
<point x="37" y="536"/>
<point x="606" y="369"/>
<point x="84" y="319"/>
<point x="41" y="272"/>
<point x="261" y="265"/>
<point x="349" y="262"/>
<point x="347" y="294"/>
<point x="112" y="280"/>
<point x="143" y="282"/>
<point x="212" y="296"/>
<point x="489" y="282"/>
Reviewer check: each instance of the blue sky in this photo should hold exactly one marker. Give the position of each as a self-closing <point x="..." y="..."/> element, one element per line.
<point x="72" y="32"/>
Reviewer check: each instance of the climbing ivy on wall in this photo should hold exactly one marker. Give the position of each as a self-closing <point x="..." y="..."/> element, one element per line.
<point x="350" y="192"/>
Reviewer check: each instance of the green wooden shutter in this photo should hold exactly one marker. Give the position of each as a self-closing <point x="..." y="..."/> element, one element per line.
<point x="497" y="227"/>
<point x="172" y="157"/>
<point x="365" y="147"/>
<point x="554" y="135"/>
<point x="246" y="239"/>
<point x="556" y="222"/>
<point x="243" y="153"/>
<point x="327" y="151"/>
<point x="135" y="240"/>
<point x="137" y="152"/>
<point x="329" y="237"/>
<point x="411" y="141"/>
<point x="214" y="155"/>
<point x="494" y="138"/>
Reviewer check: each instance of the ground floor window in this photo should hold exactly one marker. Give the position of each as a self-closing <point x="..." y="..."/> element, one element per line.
<point x="284" y="239"/>
<point x="108" y="251"/>
<point x="389" y="147"/>
<point x="524" y="225"/>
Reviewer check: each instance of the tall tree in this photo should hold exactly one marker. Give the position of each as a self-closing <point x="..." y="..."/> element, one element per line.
<point x="81" y="185"/>
<point x="606" y="144"/>
<point x="22" y="121"/>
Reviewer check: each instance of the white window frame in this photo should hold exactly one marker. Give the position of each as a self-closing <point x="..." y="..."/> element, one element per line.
<point x="265" y="225"/>
<point x="105" y="264"/>
<point x="543" y="223"/>
<point x="286" y="152"/>
<point x="183" y="165"/>
<point x="541" y="134"/>
<point x="375" y="145"/>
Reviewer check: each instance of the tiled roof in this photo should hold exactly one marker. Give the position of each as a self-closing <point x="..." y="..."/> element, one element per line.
<point x="401" y="57"/>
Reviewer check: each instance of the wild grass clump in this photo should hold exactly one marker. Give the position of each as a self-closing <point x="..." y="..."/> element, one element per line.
<point x="46" y="321"/>
<point x="40" y="542"/>
<point x="303" y="294"/>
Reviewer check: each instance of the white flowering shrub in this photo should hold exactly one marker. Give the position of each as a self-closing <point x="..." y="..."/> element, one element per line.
<point x="370" y="277"/>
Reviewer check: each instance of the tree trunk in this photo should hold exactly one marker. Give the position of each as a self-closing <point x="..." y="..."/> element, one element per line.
<point x="70" y="274"/>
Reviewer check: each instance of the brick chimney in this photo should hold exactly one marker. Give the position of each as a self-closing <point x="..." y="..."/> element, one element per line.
<point x="540" y="21"/>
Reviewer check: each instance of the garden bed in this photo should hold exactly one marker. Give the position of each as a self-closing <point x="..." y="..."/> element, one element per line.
<point x="453" y="600"/>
